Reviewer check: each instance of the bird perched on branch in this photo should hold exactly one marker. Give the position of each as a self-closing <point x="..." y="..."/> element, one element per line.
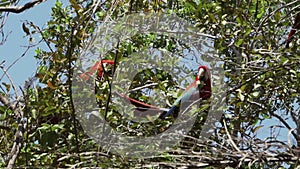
<point x="98" y="67"/>
<point x="296" y="26"/>
<point x="199" y="89"/>
<point x="140" y="106"/>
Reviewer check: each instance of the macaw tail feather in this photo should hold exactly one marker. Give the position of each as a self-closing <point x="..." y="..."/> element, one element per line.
<point x="296" y="26"/>
<point x="173" y="110"/>
<point x="141" y="105"/>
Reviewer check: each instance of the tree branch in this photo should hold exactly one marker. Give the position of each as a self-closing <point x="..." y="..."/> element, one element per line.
<point x="18" y="143"/>
<point x="19" y="9"/>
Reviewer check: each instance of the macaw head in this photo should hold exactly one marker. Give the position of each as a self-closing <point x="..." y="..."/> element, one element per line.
<point x="102" y="65"/>
<point x="202" y="85"/>
<point x="98" y="66"/>
<point x="203" y="73"/>
<point x="109" y="62"/>
<point x="204" y="77"/>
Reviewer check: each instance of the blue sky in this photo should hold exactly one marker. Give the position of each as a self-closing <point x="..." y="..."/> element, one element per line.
<point x="12" y="49"/>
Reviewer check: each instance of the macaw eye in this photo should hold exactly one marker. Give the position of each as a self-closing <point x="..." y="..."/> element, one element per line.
<point x="195" y="73"/>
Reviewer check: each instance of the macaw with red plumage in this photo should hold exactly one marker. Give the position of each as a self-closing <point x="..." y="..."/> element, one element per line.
<point x="200" y="88"/>
<point x="98" y="66"/>
<point x="295" y="26"/>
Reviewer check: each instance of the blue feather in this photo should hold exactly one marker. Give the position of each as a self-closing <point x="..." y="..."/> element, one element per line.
<point x="192" y="92"/>
<point x="186" y="95"/>
<point x="172" y="109"/>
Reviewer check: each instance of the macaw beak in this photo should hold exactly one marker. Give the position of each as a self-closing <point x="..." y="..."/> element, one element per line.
<point x="201" y="72"/>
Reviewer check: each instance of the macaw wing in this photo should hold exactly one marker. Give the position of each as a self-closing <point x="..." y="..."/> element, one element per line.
<point x="91" y="70"/>
<point x="186" y="98"/>
<point x="96" y="67"/>
<point x="190" y="93"/>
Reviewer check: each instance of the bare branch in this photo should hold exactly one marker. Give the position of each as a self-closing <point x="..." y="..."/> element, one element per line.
<point x="19" y="9"/>
<point x="19" y="133"/>
<point x="11" y="81"/>
<point x="18" y="143"/>
<point x="230" y="139"/>
<point x="286" y="125"/>
<point x="142" y="87"/>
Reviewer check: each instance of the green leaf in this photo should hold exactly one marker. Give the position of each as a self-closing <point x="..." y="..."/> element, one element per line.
<point x="33" y="113"/>
<point x="55" y="127"/>
<point x="2" y="115"/>
<point x="100" y="14"/>
<point x="277" y="16"/>
<point x="255" y="94"/>
<point x="239" y="42"/>
<point x="7" y="86"/>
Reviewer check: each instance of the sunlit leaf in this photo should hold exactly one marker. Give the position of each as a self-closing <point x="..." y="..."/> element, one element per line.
<point x="49" y="83"/>
<point x="7" y="86"/>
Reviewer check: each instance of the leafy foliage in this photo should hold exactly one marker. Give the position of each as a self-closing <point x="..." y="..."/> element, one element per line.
<point x="261" y="76"/>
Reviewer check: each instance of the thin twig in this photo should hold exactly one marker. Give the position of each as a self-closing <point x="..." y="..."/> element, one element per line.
<point x="110" y="84"/>
<point x="10" y="66"/>
<point x="11" y="81"/>
<point x="69" y="54"/>
<point x="18" y="143"/>
<point x="19" y="9"/>
<point x="142" y="87"/>
<point x="286" y="125"/>
<point x="230" y="139"/>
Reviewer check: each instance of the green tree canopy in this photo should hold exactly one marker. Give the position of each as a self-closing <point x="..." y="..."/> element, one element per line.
<point x="40" y="129"/>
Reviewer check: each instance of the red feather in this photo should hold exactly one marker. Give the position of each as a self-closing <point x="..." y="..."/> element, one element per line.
<point x="205" y="93"/>
<point x="138" y="103"/>
<point x="191" y="92"/>
<point x="142" y="108"/>
<point x="97" y="67"/>
<point x="295" y="26"/>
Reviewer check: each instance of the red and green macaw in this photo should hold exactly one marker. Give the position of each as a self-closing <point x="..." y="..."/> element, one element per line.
<point x="200" y="88"/>
<point x="140" y="106"/>
<point x="98" y="67"/>
<point x="295" y="26"/>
